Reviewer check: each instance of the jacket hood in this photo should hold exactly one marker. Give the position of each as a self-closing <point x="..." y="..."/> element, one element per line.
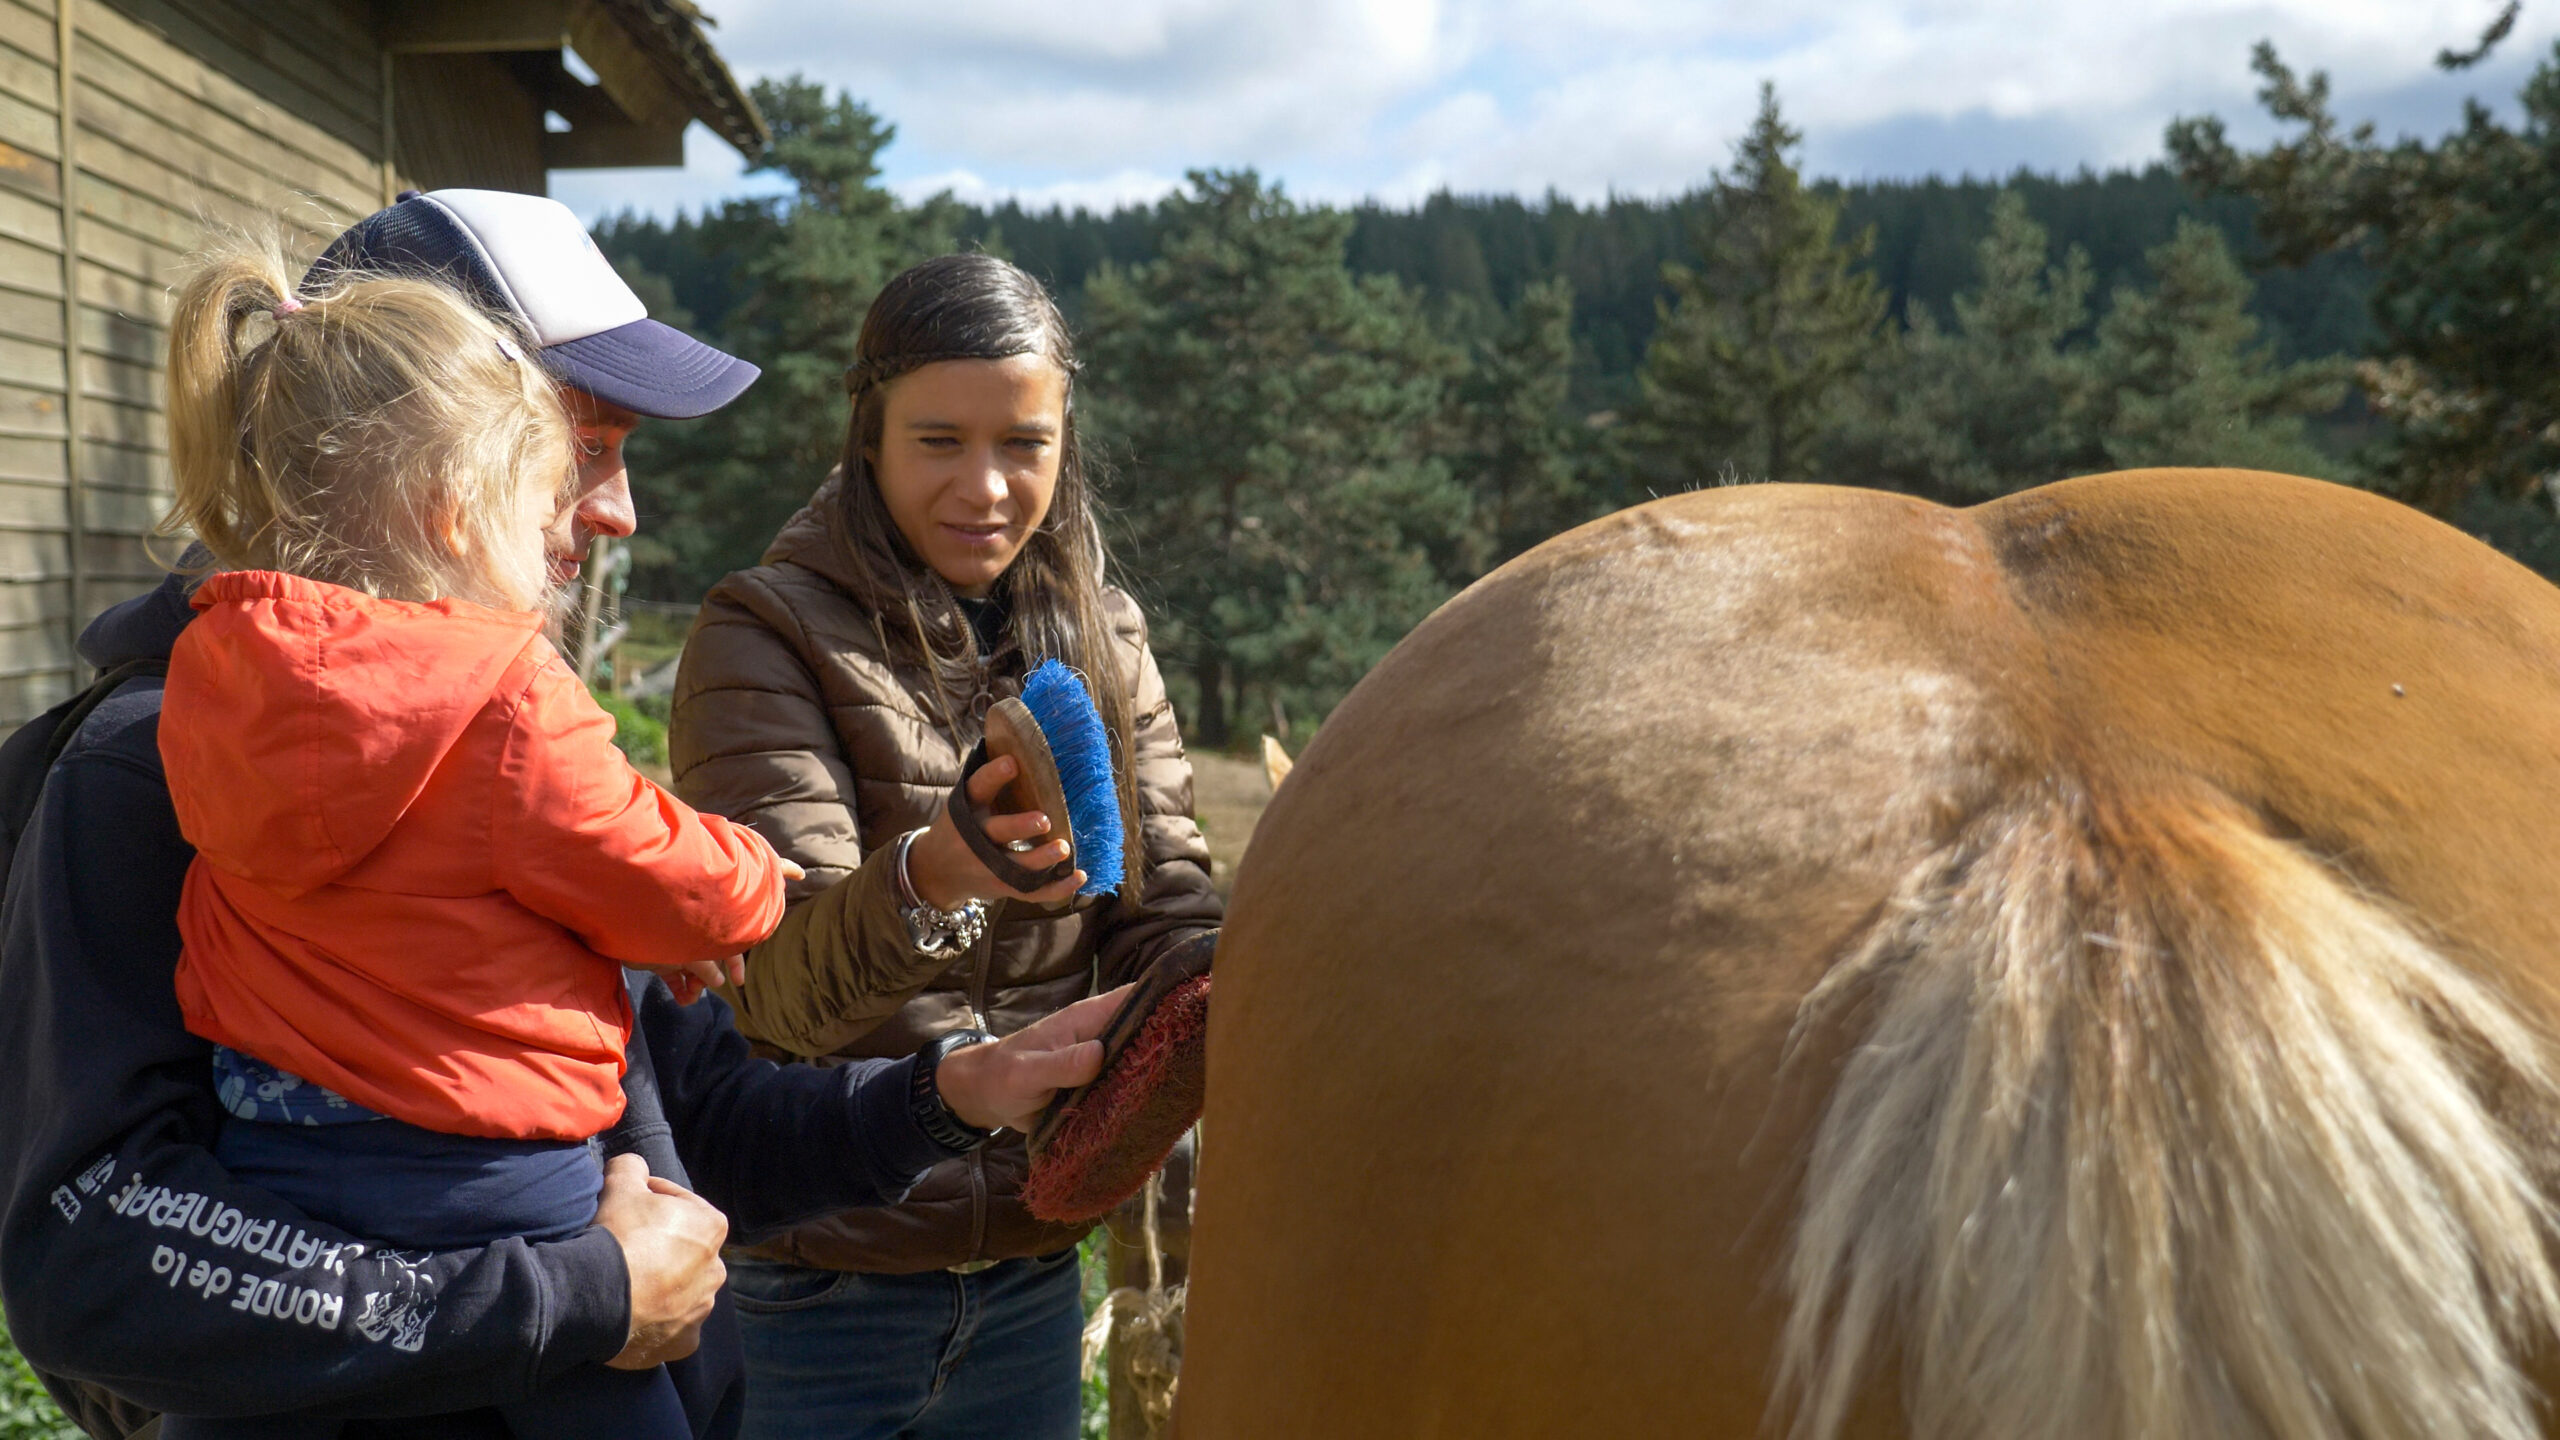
<point x="142" y="628"/>
<point x="819" y="540"/>
<point x="301" y="719"/>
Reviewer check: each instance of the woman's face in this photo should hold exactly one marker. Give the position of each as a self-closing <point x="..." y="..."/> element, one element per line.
<point x="968" y="461"/>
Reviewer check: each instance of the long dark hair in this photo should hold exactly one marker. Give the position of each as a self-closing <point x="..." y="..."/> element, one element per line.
<point x="976" y="307"/>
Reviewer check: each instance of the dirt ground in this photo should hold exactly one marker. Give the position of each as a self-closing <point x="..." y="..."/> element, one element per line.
<point x="1228" y="795"/>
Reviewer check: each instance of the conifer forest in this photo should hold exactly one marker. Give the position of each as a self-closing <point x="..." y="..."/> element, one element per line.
<point x="1313" y="424"/>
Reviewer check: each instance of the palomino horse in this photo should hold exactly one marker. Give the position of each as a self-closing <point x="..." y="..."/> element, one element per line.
<point x="1804" y="960"/>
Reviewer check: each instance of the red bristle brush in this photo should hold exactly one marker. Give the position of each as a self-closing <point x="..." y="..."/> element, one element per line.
<point x="1096" y="1146"/>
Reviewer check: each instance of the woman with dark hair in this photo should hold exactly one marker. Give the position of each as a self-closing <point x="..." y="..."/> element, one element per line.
<point x="828" y="698"/>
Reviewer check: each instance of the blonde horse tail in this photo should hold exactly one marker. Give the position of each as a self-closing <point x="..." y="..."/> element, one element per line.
<point x="2162" y="1128"/>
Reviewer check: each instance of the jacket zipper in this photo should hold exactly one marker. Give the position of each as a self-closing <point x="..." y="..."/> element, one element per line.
<point x="984" y="665"/>
<point x="986" y="948"/>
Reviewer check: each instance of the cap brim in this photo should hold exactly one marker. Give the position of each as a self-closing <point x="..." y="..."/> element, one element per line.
<point x="651" y="369"/>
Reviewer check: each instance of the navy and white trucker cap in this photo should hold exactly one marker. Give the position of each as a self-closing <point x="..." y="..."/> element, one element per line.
<point x="526" y="257"/>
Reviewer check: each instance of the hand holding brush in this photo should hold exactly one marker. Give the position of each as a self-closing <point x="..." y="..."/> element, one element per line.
<point x="1046" y="759"/>
<point x="946" y="872"/>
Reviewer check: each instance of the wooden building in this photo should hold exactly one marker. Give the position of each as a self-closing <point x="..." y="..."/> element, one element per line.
<point x="128" y="126"/>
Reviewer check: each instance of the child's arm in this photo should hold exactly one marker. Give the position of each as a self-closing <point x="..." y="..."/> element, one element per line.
<point x="580" y="837"/>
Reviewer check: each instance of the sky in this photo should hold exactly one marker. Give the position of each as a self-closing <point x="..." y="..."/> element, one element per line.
<point x="1101" y="102"/>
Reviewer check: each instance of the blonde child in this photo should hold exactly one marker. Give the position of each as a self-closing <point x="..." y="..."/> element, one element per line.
<point x="420" y="860"/>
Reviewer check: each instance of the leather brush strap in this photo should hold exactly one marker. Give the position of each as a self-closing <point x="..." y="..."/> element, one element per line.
<point x="971" y="823"/>
<point x="1186" y="961"/>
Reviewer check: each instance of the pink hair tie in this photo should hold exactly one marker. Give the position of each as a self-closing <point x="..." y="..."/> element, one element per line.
<point x="286" y="306"/>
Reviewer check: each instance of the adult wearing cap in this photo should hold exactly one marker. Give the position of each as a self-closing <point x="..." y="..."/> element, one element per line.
<point x="526" y="259"/>
<point x="138" y="1274"/>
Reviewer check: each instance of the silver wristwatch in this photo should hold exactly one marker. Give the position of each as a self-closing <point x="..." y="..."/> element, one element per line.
<point x="935" y="933"/>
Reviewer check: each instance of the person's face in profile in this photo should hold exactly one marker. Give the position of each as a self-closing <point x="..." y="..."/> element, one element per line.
<point x="600" y="503"/>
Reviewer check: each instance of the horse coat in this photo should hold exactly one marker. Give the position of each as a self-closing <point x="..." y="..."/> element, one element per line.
<point x="1801" y="959"/>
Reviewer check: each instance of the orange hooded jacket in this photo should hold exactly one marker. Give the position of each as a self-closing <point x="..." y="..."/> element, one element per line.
<point x="419" y="856"/>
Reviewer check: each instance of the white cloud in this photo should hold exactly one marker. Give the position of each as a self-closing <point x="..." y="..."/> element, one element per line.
<point x="1100" y="194"/>
<point x="1105" y="102"/>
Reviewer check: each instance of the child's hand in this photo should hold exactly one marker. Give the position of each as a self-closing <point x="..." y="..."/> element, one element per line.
<point x="689" y="982"/>
<point x="781" y="862"/>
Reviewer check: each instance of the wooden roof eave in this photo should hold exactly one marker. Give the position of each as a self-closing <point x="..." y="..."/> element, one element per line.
<point x="655" y="67"/>
<point x="671" y="33"/>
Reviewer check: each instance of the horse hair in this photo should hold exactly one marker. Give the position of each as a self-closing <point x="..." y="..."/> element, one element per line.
<point x="2163" y="1128"/>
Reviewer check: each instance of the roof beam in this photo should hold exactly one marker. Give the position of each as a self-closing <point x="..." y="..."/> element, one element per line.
<point x="633" y="114"/>
<point x="590" y="145"/>
<point x="456" y="27"/>
<point x="623" y="69"/>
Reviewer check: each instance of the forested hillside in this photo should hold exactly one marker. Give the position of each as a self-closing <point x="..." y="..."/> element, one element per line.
<point x="1484" y="250"/>
<point x="1316" y="423"/>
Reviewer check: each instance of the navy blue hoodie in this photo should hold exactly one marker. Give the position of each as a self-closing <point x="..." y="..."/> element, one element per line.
<point x="129" y="1259"/>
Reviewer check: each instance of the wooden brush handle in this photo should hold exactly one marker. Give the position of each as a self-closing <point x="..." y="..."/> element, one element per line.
<point x="1011" y="730"/>
<point x="1035" y="786"/>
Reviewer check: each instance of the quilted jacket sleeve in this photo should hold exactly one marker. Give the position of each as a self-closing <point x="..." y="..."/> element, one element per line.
<point x="751" y="739"/>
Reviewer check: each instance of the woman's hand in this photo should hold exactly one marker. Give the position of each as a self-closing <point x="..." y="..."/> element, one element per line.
<point x="946" y="872"/>
<point x="1008" y="1082"/>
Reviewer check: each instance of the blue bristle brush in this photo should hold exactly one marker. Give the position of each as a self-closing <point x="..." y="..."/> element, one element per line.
<point x="1065" y="731"/>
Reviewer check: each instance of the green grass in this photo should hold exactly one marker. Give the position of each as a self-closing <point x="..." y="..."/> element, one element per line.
<point x="641" y="735"/>
<point x="26" y="1412"/>
<point x="1095" y="1268"/>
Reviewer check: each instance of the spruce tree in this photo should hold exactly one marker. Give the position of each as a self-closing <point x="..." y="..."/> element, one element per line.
<point x="1524" y="457"/>
<point x="1999" y="402"/>
<point x="2182" y="379"/>
<point x="803" y="270"/>
<point x="2463" y="237"/>
<point x="1279" y="505"/>
<point x="1762" y="340"/>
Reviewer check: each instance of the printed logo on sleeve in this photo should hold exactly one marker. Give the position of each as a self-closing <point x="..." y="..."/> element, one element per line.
<point x="309" y="1280"/>
<point x="100" y="1171"/>
<point x="66" y="1202"/>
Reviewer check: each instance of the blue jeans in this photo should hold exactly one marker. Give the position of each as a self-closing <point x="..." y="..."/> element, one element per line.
<point x="833" y="1355"/>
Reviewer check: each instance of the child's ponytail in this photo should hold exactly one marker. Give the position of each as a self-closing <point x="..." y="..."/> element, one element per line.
<point x="376" y="434"/>
<point x="219" y="495"/>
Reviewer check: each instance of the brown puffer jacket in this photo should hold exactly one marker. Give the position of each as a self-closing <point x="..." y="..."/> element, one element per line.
<point x="798" y="715"/>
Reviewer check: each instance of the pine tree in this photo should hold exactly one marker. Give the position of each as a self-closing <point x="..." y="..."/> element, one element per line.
<point x="2464" y="240"/>
<point x="1758" y="349"/>
<point x="1998" y="403"/>
<point x="1279" y="509"/>
<point x="803" y="269"/>
<point x="1524" y="457"/>
<point x="2182" y="379"/>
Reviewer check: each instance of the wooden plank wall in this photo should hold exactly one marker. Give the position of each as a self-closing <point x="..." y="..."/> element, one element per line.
<point x="463" y="120"/>
<point x="187" y="115"/>
<point x="35" y="552"/>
